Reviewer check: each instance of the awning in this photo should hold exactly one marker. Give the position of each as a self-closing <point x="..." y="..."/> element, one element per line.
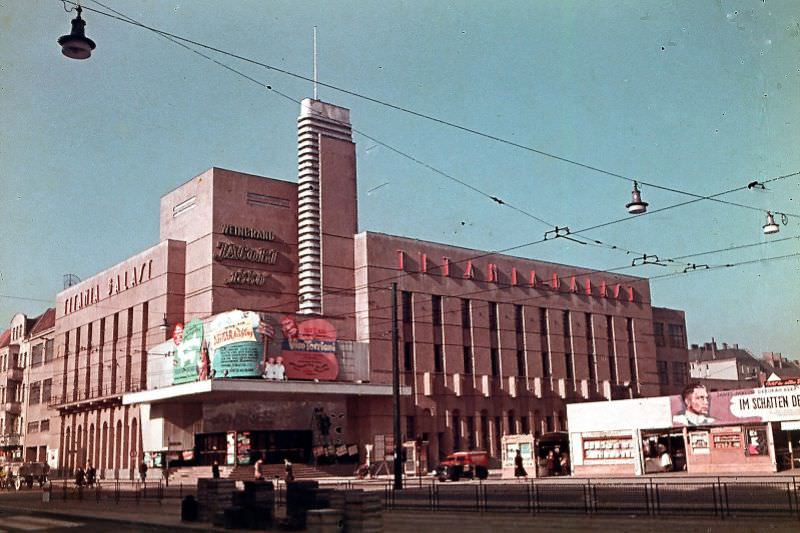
<point x="236" y="389"/>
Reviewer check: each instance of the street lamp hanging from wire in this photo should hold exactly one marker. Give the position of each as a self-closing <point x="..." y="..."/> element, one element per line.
<point x="76" y="45"/>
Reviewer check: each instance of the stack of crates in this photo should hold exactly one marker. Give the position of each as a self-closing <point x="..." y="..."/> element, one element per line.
<point x="363" y="512"/>
<point x="213" y="497"/>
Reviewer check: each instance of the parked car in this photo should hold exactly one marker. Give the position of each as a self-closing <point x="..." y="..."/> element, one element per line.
<point x="468" y="465"/>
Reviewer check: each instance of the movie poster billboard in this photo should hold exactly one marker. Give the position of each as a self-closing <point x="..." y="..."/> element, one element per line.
<point x="246" y="344"/>
<point x="233" y="346"/>
<point x="698" y="407"/>
<point x="306" y="348"/>
<point x="188" y="344"/>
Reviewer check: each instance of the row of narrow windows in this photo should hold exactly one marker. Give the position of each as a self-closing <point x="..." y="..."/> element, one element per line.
<point x="112" y="349"/>
<point x="546" y="340"/>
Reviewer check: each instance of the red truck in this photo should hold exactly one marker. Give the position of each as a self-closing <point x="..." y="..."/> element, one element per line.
<point x="468" y="465"/>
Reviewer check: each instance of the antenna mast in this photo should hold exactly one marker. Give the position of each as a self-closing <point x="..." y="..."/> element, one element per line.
<point x="315" y="62"/>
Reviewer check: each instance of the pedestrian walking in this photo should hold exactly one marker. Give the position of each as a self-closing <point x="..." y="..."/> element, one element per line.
<point x="215" y="470"/>
<point x="80" y="477"/>
<point x="142" y="471"/>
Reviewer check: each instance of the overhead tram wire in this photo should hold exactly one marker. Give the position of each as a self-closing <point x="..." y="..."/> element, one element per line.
<point x="594" y="242"/>
<point x="496" y="138"/>
<point x="494" y="198"/>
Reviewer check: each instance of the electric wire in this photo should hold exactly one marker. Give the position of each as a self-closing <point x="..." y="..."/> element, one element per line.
<point x="543" y="153"/>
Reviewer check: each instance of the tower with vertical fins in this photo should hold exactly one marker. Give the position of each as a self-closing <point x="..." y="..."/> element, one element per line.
<point x="317" y="120"/>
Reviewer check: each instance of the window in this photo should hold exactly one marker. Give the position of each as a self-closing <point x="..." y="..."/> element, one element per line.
<point x="33" y="427"/>
<point x="663" y="373"/>
<point x="679" y="373"/>
<point x="438" y="355"/>
<point x="438" y="358"/>
<point x="456" y="430"/>
<point x="37" y="355"/>
<point x="408" y="356"/>
<point x="658" y="334"/>
<point x="612" y="352"/>
<point x="408" y="331"/>
<point x="411" y="428"/>
<point x="406" y="303"/>
<point x="45" y="425"/>
<point x="545" y="364"/>
<point x="48" y="350"/>
<point x="592" y="356"/>
<point x="677" y="336"/>
<point x="519" y="327"/>
<point x="493" y="341"/>
<point x="471" y="433"/>
<point x="47" y="386"/>
<point x="466" y="335"/>
<point x="485" y="431"/>
<point x="35" y="394"/>
<point x="436" y="310"/>
<point x="568" y="366"/>
<point x="631" y="351"/>
<point x="468" y="360"/>
<point x="544" y="342"/>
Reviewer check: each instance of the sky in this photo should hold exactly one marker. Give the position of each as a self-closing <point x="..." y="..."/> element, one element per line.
<point x="700" y="97"/>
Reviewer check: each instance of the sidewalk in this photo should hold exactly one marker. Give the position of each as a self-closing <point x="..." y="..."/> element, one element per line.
<point x="166" y="514"/>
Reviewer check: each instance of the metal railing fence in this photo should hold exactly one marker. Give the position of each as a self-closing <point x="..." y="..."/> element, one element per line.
<point x="712" y="497"/>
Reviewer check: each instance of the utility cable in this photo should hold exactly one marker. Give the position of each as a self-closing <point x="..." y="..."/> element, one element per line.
<point x="496" y="138"/>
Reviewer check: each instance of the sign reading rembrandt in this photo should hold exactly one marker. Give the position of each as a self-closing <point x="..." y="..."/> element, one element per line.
<point x="246" y="344"/>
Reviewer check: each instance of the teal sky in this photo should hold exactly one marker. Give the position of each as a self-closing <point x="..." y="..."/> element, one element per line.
<point x="697" y="96"/>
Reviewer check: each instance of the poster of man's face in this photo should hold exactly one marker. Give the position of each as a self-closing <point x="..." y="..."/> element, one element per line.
<point x="694" y="410"/>
<point x="697" y="400"/>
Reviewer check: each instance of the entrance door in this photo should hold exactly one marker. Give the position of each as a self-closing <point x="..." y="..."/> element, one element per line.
<point x="210" y="447"/>
<point x="275" y="446"/>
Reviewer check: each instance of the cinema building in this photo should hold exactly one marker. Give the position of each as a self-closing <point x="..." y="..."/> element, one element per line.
<point x="162" y="356"/>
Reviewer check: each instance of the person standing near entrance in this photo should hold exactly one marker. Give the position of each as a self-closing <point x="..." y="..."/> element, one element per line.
<point x="259" y="476"/>
<point x="289" y="470"/>
<point x="519" y="467"/>
<point x="215" y="470"/>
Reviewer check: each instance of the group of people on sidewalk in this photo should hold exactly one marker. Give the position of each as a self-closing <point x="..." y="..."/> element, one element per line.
<point x="554" y="464"/>
<point x="85" y="477"/>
